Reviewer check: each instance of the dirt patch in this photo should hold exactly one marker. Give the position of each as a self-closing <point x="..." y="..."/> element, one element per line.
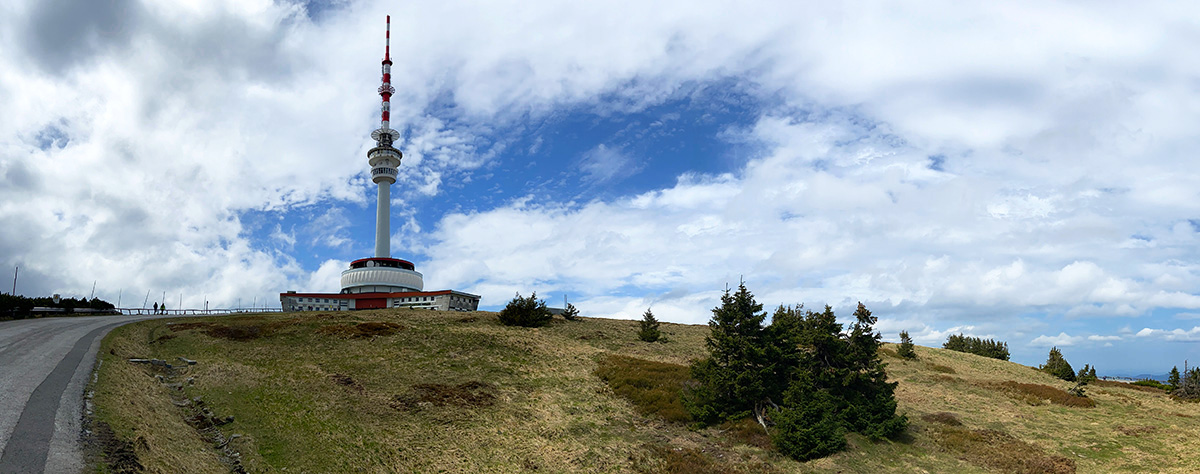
<point x="117" y="455"/>
<point x="164" y="338"/>
<point x="176" y="327"/>
<point x="346" y="381"/>
<point x="241" y="329"/>
<point x="469" y="394"/>
<point x="944" y="417"/>
<point x="240" y="332"/>
<point x="361" y="330"/>
<point x="597" y="335"/>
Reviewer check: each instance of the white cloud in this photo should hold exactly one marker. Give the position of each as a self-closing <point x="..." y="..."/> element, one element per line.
<point x="1062" y="339"/>
<point x="1174" y="335"/>
<point x="603" y="164"/>
<point x="1099" y="338"/>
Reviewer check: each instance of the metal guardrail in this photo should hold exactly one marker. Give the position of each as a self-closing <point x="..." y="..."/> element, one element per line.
<point x="190" y="312"/>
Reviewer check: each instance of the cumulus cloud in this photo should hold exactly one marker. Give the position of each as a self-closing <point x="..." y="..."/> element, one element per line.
<point x="1062" y="339"/>
<point x="1173" y="335"/>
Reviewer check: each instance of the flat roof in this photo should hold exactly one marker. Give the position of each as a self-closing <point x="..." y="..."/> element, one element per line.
<point x="359" y="296"/>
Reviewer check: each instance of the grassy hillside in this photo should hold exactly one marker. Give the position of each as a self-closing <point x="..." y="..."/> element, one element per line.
<point x="421" y="391"/>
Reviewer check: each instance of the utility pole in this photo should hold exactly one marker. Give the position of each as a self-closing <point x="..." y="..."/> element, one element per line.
<point x="163" y="303"/>
<point x="180" y="301"/>
<point x="119" y="297"/>
<point x="15" y="270"/>
<point x="93" y="290"/>
<point x="146" y="300"/>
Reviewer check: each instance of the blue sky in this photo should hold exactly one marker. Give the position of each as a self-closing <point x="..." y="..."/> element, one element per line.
<point x="1022" y="171"/>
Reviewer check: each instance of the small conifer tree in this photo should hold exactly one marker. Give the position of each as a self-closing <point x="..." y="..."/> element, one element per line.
<point x="905" y="349"/>
<point x="570" y="314"/>
<point x="1173" y="378"/>
<point x="733" y="377"/>
<point x="1057" y="366"/>
<point x="527" y="312"/>
<point x="1189" y="387"/>
<point x="648" y="327"/>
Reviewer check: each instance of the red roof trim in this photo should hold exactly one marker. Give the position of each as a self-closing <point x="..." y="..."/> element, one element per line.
<point x="359" y="296"/>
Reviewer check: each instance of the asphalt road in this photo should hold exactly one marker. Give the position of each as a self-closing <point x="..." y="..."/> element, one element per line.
<point x="44" y="367"/>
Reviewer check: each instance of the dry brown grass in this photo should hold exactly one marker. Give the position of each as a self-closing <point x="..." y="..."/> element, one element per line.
<point x="453" y="392"/>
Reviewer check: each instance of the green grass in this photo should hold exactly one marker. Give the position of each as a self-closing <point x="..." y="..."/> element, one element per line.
<point x="422" y="391"/>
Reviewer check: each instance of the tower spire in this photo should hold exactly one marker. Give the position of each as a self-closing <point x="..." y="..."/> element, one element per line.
<point x="384" y="158"/>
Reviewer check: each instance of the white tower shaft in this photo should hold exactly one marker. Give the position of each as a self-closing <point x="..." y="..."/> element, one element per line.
<point x="383" y="207"/>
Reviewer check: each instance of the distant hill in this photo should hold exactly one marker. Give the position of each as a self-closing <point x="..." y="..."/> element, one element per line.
<point x="1159" y="377"/>
<point x="423" y="391"/>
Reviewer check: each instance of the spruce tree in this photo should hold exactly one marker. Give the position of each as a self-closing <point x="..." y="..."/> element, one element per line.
<point x="1173" y="378"/>
<point x="570" y="313"/>
<point x="731" y="379"/>
<point x="1057" y="366"/>
<point x="870" y="398"/>
<point x="905" y="349"/>
<point x="527" y="312"/>
<point x="649" y="327"/>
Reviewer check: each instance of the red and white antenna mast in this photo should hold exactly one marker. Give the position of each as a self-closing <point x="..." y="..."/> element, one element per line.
<point x="384" y="158"/>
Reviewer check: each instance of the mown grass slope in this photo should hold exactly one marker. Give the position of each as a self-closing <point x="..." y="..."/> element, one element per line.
<point x="421" y="391"/>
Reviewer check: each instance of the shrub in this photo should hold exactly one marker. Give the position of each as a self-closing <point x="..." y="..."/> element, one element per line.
<point x="527" y="312"/>
<point x="977" y="346"/>
<point x="648" y="327"/>
<point x="1152" y="384"/>
<point x="570" y="314"/>
<point x="905" y="349"/>
<point x="1057" y="366"/>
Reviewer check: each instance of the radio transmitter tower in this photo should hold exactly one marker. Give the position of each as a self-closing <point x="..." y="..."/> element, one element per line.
<point x="382" y="281"/>
<point x="382" y="273"/>
<point x="384" y="158"/>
